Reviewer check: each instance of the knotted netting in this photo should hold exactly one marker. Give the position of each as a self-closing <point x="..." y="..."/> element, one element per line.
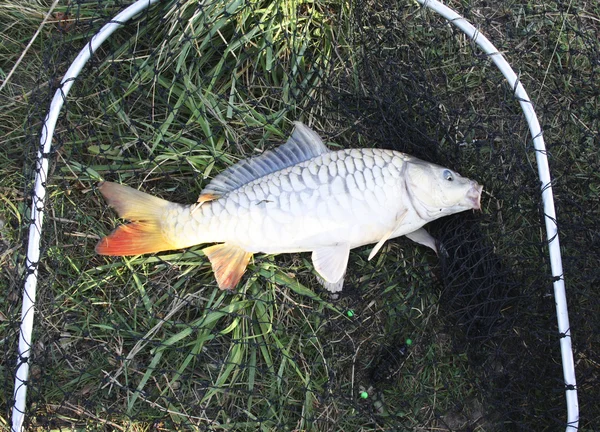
<point x="464" y="341"/>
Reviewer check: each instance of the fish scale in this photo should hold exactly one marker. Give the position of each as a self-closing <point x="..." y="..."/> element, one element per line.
<point x="261" y="209"/>
<point x="299" y="197"/>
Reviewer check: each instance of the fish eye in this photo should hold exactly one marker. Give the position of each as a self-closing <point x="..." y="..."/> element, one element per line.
<point x="448" y="175"/>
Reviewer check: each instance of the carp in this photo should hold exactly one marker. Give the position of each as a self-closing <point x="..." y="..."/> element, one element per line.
<point x="299" y="197"/>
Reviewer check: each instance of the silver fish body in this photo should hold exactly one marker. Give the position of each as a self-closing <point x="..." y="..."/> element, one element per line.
<point x="352" y="196"/>
<point x="327" y="202"/>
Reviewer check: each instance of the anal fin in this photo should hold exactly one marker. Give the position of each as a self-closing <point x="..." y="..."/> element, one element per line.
<point x="228" y="262"/>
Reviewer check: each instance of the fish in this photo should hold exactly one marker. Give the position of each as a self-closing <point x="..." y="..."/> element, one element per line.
<point x="299" y="197"/>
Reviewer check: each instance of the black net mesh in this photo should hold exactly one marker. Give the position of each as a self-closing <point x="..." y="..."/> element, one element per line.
<point x="466" y="341"/>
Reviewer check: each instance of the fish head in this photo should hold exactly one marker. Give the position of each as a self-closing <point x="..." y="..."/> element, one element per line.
<point x="437" y="191"/>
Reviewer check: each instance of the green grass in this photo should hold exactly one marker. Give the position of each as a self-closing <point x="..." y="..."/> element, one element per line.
<point x="149" y="342"/>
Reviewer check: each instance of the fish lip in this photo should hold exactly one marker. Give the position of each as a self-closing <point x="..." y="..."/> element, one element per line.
<point x="474" y="195"/>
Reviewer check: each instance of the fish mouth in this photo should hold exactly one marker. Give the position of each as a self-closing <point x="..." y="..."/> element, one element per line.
<point x="474" y="196"/>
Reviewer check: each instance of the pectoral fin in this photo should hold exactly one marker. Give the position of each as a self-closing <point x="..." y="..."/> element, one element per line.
<point x="331" y="262"/>
<point x="387" y="236"/>
<point x="229" y="263"/>
<point x="423" y="237"/>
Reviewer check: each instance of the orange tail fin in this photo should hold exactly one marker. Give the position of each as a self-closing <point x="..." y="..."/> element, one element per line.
<point x="144" y="234"/>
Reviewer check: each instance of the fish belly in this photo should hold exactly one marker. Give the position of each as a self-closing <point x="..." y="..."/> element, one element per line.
<point x="353" y="197"/>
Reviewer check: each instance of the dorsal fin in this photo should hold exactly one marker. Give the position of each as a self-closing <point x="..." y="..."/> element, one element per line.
<point x="302" y="145"/>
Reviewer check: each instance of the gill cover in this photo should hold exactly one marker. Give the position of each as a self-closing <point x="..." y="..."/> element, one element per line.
<point x="437" y="191"/>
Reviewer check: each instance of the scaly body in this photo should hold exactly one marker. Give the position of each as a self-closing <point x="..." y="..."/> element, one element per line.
<point x="300" y="197"/>
<point x="352" y="196"/>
